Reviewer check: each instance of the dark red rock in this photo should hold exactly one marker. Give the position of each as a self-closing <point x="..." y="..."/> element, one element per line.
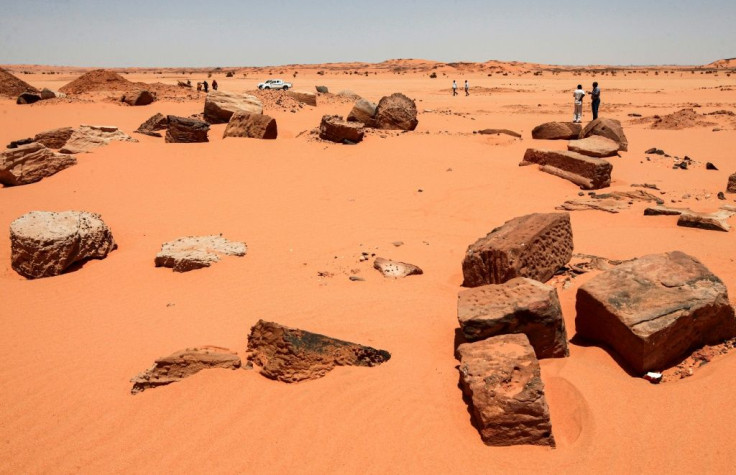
<point x="396" y="112"/>
<point x="184" y="130"/>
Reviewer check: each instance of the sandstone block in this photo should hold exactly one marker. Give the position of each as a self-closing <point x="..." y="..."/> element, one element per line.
<point x="30" y="163"/>
<point x="609" y="128"/>
<point x="557" y="131"/>
<point x="185" y="130"/>
<point x="396" y="112"/>
<point x="335" y="129"/>
<point x="255" y="126"/>
<point x="219" y="106"/>
<point x="586" y="172"/>
<point x="194" y="252"/>
<point x="594" y="146"/>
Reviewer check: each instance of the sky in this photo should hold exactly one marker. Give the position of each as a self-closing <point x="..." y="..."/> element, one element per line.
<point x="212" y="33"/>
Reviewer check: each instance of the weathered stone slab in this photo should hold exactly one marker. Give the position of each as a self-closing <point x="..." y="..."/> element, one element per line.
<point x="254" y="126"/>
<point x="363" y="111"/>
<point x="501" y="377"/>
<point x="88" y="137"/>
<point x="396" y="112"/>
<point x="138" y="98"/>
<point x="182" y="364"/>
<point x="185" y="130"/>
<point x="654" y="310"/>
<point x="533" y="246"/>
<point x="595" y="146"/>
<point x="290" y="355"/>
<point x="219" y="106"/>
<point x="30" y="163"/>
<point x="609" y="128"/>
<point x="46" y="243"/>
<point x="308" y="98"/>
<point x="55" y="138"/>
<point x="586" y="172"/>
<point x="520" y="305"/>
<point x="335" y="129"/>
<point x="731" y="186"/>
<point x="195" y="252"/>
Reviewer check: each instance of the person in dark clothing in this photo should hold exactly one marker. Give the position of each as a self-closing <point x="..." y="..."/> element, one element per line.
<point x="206" y="87"/>
<point x="595" y="95"/>
<point x="214" y="84"/>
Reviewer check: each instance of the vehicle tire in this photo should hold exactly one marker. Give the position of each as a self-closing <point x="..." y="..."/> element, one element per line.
<point x="260" y="87"/>
<point x="266" y="87"/>
<point x="286" y="88"/>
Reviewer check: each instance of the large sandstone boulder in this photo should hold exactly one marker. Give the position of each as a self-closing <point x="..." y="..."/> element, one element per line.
<point x="194" y="252"/>
<point x="395" y="269"/>
<point x="30" y="163"/>
<point x="557" y="131"/>
<point x="55" y="138"/>
<point x="255" y="126"/>
<point x="609" y="128"/>
<point x="594" y="146"/>
<point x="363" y="111"/>
<point x="396" y="112"/>
<point x="291" y="355"/>
<point x="533" y="246"/>
<point x="335" y="129"/>
<point x="731" y="187"/>
<point x="46" y="243"/>
<point x="185" y="130"/>
<point x="219" y="106"/>
<point x="586" y="172"/>
<point x="138" y="98"/>
<point x="308" y="98"/>
<point x="88" y="137"/>
<point x="520" y="305"/>
<point x="182" y="364"/>
<point x="654" y="310"/>
<point x="154" y="123"/>
<point x="49" y="94"/>
<point x="501" y="378"/>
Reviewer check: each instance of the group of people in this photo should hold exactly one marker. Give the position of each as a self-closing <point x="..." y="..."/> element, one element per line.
<point x="578" y="95"/>
<point x="454" y="88"/>
<point x="204" y="85"/>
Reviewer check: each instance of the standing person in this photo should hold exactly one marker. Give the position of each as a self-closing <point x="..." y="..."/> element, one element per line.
<point x="206" y="87"/>
<point x="214" y="84"/>
<point x="595" y="96"/>
<point x="454" y="88"/>
<point x="199" y="86"/>
<point x="578" y="95"/>
<point x="467" y="86"/>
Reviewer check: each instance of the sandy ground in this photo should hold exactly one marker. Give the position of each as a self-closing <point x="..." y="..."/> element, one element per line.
<point x="71" y="343"/>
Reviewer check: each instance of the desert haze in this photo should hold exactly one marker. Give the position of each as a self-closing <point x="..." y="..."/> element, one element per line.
<point x="361" y="233"/>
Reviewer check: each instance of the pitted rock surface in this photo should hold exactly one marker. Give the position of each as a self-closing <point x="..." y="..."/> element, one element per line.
<point x="219" y="106"/>
<point x="46" y="243"/>
<point x="395" y="269"/>
<point x="533" y="246"/>
<point x="501" y="378"/>
<point x="30" y="163"/>
<point x="290" y="355"/>
<point x="586" y="172"/>
<point x="654" y="310"/>
<point x="194" y="252"/>
<point x="520" y="305"/>
<point x="182" y="364"/>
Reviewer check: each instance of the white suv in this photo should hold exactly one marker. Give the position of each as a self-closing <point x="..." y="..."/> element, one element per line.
<point x="274" y="84"/>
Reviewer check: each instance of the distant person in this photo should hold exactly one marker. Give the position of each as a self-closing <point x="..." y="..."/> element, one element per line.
<point x="189" y="83"/>
<point x="595" y="96"/>
<point x="214" y="84"/>
<point x="206" y="87"/>
<point x="467" y="86"/>
<point x="454" y="88"/>
<point x="199" y="86"/>
<point x="578" y="95"/>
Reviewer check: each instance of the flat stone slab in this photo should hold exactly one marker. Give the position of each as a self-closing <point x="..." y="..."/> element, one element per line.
<point x="46" y="243"/>
<point x="54" y="138"/>
<point x="363" y="111"/>
<point x="254" y="126"/>
<point x="290" y="355"/>
<point x="533" y="246"/>
<point x="335" y="129"/>
<point x="609" y="128"/>
<point x="586" y="172"/>
<point x="501" y="378"/>
<point x="594" y="146"/>
<point x="499" y="132"/>
<point x="520" y="305"/>
<point x="612" y="202"/>
<point x="30" y="163"/>
<point x="89" y="137"/>
<point x="195" y="252"/>
<point x="219" y="106"/>
<point x="557" y="131"/>
<point x="395" y="269"/>
<point x="654" y="310"/>
<point x="305" y="97"/>
<point x="182" y="364"/>
<point x="186" y="130"/>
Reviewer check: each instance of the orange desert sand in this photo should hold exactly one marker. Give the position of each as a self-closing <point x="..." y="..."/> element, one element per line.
<point x="307" y="209"/>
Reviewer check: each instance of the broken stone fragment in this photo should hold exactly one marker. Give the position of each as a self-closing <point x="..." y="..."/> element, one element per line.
<point x="182" y="364"/>
<point x="194" y="252"/>
<point x="396" y="269"/>
<point x="290" y="355"/>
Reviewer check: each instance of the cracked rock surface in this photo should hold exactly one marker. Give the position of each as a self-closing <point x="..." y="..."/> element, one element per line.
<point x="194" y="252"/>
